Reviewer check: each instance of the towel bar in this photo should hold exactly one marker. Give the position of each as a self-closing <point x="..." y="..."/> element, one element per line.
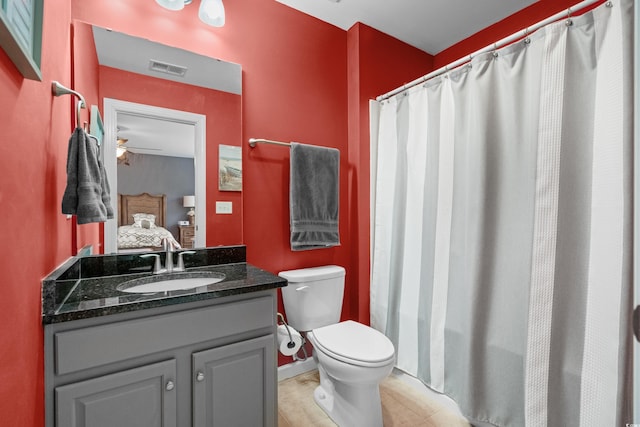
<point x="254" y="141"/>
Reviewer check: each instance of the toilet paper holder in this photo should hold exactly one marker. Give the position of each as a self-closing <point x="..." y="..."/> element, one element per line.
<point x="290" y="344"/>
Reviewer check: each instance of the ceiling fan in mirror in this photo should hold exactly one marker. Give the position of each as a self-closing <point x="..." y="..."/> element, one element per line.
<point x="124" y="153"/>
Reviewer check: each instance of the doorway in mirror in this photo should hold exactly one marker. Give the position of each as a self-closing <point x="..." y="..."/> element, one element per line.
<point x="161" y="147"/>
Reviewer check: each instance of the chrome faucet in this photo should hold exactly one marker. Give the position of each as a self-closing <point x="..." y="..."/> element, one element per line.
<point x="169" y="246"/>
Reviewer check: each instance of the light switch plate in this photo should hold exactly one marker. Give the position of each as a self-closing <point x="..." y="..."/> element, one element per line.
<point x="224" y="207"/>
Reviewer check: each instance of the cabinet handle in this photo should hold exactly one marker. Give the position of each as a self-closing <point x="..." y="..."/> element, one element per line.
<point x="199" y="377"/>
<point x="170" y="385"/>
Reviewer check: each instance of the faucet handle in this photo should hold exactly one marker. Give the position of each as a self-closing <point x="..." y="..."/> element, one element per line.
<point x="157" y="267"/>
<point x="181" y="261"/>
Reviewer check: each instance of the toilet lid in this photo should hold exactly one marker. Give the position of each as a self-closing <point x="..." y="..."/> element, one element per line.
<point x="354" y="341"/>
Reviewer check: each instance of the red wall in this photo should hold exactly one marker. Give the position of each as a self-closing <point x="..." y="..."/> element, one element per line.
<point x="35" y="129"/>
<point x="303" y="80"/>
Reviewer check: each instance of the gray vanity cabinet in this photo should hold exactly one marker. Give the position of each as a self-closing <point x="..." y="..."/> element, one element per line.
<point x="142" y="396"/>
<point x="206" y="363"/>
<point x="232" y="384"/>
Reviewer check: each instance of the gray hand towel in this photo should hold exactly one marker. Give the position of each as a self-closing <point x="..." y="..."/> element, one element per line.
<point x="314" y="197"/>
<point x="87" y="191"/>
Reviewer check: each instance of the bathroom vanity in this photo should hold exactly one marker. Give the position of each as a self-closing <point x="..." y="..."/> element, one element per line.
<point x="191" y="357"/>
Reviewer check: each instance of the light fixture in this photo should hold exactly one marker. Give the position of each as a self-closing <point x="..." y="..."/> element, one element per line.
<point x="190" y="202"/>
<point x="211" y="12"/>
<point x="173" y="4"/>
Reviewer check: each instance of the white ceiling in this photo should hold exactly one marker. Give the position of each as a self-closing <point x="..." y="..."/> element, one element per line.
<point x="147" y="135"/>
<point x="429" y="25"/>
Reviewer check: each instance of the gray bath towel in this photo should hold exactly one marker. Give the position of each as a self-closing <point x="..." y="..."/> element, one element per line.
<point x="87" y="192"/>
<point x="314" y="197"/>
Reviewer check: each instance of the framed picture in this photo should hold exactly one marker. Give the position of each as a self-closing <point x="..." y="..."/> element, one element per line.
<point x="21" y="34"/>
<point x="230" y="166"/>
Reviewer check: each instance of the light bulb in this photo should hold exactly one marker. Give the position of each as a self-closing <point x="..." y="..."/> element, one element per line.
<point x="211" y="12"/>
<point x="120" y="151"/>
<point x="171" y="4"/>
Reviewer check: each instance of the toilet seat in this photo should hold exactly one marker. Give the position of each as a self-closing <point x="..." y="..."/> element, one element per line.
<point x="354" y="343"/>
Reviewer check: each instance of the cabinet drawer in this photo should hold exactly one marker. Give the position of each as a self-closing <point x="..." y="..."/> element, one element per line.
<point x="90" y="347"/>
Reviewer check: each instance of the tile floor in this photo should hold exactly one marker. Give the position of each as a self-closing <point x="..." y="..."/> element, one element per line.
<point x="403" y="405"/>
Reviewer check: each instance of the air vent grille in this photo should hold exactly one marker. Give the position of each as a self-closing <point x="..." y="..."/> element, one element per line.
<point x="165" y="67"/>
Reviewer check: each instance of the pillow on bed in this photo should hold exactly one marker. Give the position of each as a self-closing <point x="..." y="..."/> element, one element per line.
<point x="142" y="220"/>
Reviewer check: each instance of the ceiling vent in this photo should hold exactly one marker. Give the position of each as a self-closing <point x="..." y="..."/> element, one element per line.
<point x="164" y="67"/>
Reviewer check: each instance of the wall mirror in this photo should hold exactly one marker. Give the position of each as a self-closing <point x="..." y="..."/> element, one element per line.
<point x="166" y="111"/>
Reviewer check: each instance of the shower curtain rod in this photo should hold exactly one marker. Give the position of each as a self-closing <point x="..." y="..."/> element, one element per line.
<point x="505" y="41"/>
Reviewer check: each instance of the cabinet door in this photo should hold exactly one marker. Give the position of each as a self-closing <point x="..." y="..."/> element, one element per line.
<point x="235" y="385"/>
<point x="140" y="397"/>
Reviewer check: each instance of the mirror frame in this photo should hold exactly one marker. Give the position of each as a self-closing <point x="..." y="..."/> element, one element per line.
<point x="111" y="109"/>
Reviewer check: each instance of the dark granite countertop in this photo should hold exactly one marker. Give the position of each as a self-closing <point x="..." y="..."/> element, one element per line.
<point x="87" y="287"/>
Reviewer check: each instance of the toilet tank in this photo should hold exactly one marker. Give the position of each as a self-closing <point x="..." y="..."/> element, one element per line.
<point x="313" y="297"/>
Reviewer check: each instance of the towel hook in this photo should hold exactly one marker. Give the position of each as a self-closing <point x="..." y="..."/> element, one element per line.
<point x="58" y="90"/>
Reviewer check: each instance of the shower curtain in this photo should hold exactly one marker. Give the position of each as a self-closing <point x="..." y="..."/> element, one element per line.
<point x="502" y="227"/>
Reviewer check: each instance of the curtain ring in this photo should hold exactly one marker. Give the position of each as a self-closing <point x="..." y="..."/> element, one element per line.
<point x="527" y="40"/>
<point x="609" y="4"/>
<point x="569" y="21"/>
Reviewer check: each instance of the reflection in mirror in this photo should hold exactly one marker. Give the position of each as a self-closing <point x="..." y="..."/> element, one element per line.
<point x="166" y="111"/>
<point x="155" y="156"/>
<point x="153" y="170"/>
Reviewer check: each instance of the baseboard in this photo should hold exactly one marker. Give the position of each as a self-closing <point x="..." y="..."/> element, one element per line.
<point x="296" y="368"/>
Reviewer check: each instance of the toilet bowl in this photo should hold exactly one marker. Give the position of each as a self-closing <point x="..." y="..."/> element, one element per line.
<point x="349" y="377"/>
<point x="352" y="358"/>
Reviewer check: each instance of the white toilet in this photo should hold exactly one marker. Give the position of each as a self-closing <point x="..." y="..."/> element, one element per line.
<point x="352" y="358"/>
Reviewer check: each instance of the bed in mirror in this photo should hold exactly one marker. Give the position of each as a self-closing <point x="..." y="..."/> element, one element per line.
<point x="142" y="222"/>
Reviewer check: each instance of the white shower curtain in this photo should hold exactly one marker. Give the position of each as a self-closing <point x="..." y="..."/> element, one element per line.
<point x="502" y="227"/>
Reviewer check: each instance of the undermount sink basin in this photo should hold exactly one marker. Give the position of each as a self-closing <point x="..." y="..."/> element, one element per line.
<point x="171" y="282"/>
